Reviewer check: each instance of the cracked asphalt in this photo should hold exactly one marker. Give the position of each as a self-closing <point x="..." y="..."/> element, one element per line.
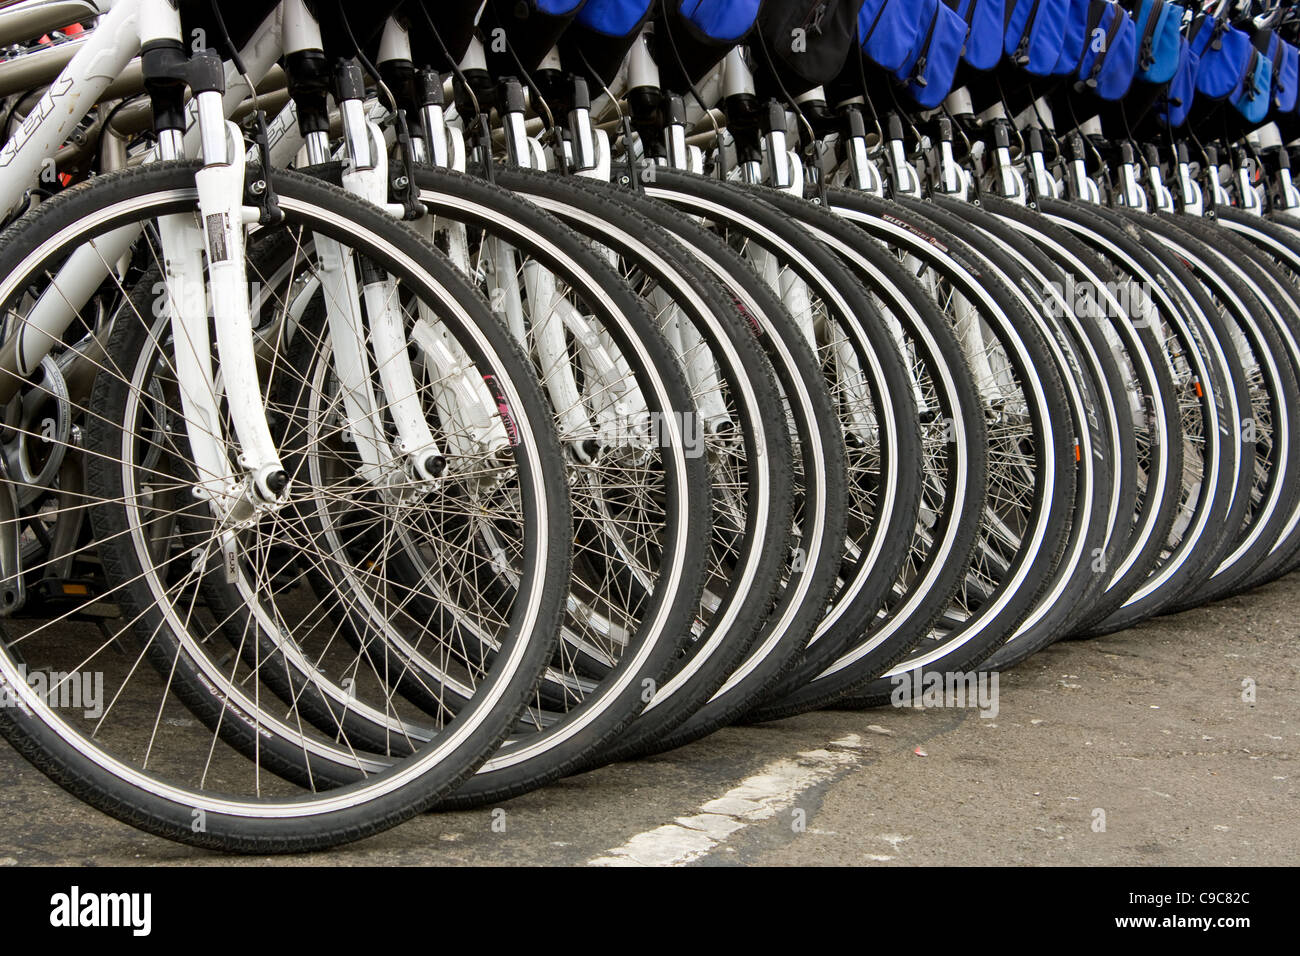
<point x="1134" y="749"/>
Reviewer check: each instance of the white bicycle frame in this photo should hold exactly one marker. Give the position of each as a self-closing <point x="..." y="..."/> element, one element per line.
<point x="784" y="171"/>
<point x="463" y="402"/>
<point x="612" y="399"/>
<point x="366" y="175"/>
<point x="290" y="27"/>
<point x="124" y="29"/>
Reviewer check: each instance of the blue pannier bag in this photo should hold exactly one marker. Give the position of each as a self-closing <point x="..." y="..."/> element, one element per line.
<point x="1182" y="88"/>
<point x="1286" y="78"/>
<point x="702" y="31"/>
<point x="721" y="21"/>
<point x="985" y="25"/>
<point x="1160" y="35"/>
<point x="930" y="75"/>
<point x="603" y="33"/>
<point x="1225" y="53"/>
<point x="1033" y="33"/>
<point x="1254" y="97"/>
<point x="614" y="18"/>
<point x="1286" y="69"/>
<point x="1109" y="59"/>
<point x="534" y="27"/>
<point x="1072" y="37"/>
<point x="889" y="31"/>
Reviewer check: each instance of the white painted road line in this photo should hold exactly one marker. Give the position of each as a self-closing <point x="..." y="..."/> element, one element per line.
<point x="775" y="788"/>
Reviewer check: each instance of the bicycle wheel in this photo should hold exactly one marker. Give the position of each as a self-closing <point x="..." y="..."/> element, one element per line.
<point x="743" y="444"/>
<point x="1252" y="317"/>
<point x="1104" y="440"/>
<point x="954" y="477"/>
<point x="876" y="404"/>
<point x="1207" y="400"/>
<point x="1119" y="308"/>
<point x="1273" y="242"/>
<point x="635" y="465"/>
<point x="819" y="464"/>
<point x="166" y="748"/>
<point x="1024" y="523"/>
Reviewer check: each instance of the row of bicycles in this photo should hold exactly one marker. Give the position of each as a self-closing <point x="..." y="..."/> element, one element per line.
<point x="409" y="404"/>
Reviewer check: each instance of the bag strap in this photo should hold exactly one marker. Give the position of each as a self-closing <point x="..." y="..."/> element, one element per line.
<point x="1115" y="25"/>
<point x="876" y="22"/>
<point x="971" y="7"/>
<point x="1216" y="38"/>
<point x="918" y="70"/>
<point x="1275" y="52"/>
<point x="1250" y="87"/>
<point x="1022" y="50"/>
<point x="1096" y="10"/>
<point x="1146" y="53"/>
<point x="1217" y="28"/>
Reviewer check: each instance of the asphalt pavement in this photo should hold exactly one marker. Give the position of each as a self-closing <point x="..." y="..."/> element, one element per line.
<point x="1174" y="743"/>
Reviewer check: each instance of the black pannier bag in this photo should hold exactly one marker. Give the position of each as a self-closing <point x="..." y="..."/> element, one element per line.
<point x="531" y="28"/>
<point x="805" y="43"/>
<point x="241" y="19"/>
<point x="455" y="21"/>
<point x="693" y="36"/>
<point x="602" y="35"/>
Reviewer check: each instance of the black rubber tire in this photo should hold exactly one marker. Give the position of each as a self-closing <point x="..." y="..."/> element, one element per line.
<point x="1156" y="513"/>
<point x="532" y="757"/>
<point x="1135" y="256"/>
<point x="901" y="228"/>
<point x="1277" y="243"/>
<point x="869" y="580"/>
<point x="1104" y="439"/>
<point x="819" y="498"/>
<point x="933" y="581"/>
<point x="1236" y="307"/>
<point x="169" y="187"/>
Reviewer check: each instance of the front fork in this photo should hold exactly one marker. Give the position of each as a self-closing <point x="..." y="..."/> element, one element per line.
<point x="366" y="175"/>
<point x="223" y="217"/>
<point x="221" y="186"/>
